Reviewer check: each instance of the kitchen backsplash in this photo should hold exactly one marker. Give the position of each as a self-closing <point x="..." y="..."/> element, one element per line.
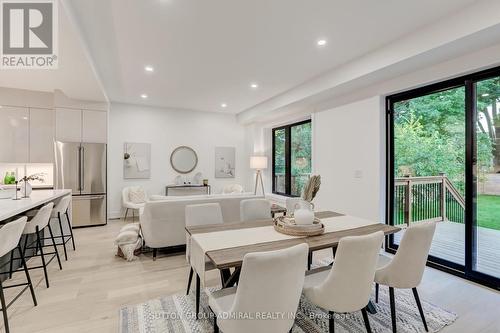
<point x="20" y="170"/>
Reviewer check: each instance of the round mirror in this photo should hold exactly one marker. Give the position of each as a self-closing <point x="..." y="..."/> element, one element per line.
<point x="183" y="159"/>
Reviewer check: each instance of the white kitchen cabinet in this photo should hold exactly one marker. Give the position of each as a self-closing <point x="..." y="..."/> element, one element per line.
<point x="14" y="134"/>
<point x="68" y="125"/>
<point x="94" y="127"/>
<point x="41" y="135"/>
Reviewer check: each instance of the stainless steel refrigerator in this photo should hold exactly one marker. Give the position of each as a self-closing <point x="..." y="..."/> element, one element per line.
<point x="81" y="167"/>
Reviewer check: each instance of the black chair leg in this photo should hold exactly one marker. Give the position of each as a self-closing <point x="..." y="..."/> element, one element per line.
<point x="216" y="327"/>
<point x="309" y="260"/>
<point x="28" y="278"/>
<point x="55" y="246"/>
<point x="190" y="278"/>
<point x="366" y="320"/>
<point x="417" y="299"/>
<point x="393" y="309"/>
<point x="376" y="292"/>
<point x="126" y="212"/>
<point x="11" y="264"/>
<point x="44" y="264"/>
<point x="331" y="322"/>
<point x="70" y="230"/>
<point x="154" y="254"/>
<point x="198" y="291"/>
<point x="62" y="236"/>
<point x="4" y="308"/>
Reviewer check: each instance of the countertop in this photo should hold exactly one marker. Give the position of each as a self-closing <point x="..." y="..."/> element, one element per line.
<point x="10" y="208"/>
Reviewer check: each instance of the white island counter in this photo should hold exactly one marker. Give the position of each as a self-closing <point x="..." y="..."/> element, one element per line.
<point x="10" y="208"/>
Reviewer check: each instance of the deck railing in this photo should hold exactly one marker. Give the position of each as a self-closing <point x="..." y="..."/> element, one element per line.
<point x="433" y="198"/>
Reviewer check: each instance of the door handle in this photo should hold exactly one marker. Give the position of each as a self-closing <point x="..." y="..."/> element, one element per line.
<point x="82" y="169"/>
<point x="79" y="168"/>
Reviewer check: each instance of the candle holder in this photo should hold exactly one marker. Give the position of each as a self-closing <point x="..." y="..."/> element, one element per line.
<point x="16" y="197"/>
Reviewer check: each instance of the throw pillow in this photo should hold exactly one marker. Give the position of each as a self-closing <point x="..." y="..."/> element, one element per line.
<point x="137" y="195"/>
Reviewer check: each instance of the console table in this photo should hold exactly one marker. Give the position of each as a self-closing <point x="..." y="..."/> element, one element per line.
<point x="186" y="189"/>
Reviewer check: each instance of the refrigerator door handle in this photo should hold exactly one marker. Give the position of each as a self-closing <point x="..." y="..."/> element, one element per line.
<point x="82" y="169"/>
<point x="79" y="168"/>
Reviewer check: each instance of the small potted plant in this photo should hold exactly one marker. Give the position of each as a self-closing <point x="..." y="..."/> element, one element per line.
<point x="26" y="187"/>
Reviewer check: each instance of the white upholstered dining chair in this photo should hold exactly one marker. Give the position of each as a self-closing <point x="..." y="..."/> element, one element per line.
<point x="255" y="209"/>
<point x="346" y="287"/>
<point x="270" y="283"/>
<point x="201" y="214"/>
<point x="406" y="269"/>
<point x="136" y="203"/>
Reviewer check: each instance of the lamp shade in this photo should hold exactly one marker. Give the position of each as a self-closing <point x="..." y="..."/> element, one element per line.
<point x="258" y="162"/>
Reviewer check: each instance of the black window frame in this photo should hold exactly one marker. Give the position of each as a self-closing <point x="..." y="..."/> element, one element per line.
<point x="468" y="82"/>
<point x="288" y="157"/>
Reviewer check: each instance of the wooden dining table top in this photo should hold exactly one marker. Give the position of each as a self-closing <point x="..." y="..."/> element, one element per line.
<point x="233" y="257"/>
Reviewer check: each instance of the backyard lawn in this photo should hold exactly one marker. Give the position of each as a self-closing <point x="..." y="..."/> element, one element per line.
<point x="488" y="211"/>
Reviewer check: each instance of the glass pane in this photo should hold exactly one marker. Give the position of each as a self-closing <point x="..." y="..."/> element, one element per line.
<point x="429" y="162"/>
<point x="300" y="157"/>
<point x="279" y="161"/>
<point x="487" y="176"/>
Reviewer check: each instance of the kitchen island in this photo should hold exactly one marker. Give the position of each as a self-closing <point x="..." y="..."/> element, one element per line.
<point x="11" y="209"/>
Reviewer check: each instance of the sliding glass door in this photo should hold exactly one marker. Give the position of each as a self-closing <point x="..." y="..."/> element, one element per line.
<point x="444" y="165"/>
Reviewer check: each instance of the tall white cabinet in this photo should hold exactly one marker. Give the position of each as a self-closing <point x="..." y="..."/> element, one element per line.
<point x="74" y="125"/>
<point x="41" y="135"/>
<point x="14" y="134"/>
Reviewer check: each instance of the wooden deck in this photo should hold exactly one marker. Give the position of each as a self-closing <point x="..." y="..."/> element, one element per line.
<point x="449" y="244"/>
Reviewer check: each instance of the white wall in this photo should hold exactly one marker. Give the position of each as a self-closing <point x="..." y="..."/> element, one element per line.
<point x="349" y="155"/>
<point x="166" y="129"/>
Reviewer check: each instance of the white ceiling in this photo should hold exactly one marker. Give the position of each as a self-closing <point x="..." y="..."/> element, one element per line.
<point x="208" y="52"/>
<point x="75" y="76"/>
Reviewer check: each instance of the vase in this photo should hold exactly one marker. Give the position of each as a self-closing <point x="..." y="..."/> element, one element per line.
<point x="304" y="213"/>
<point x="26" y="189"/>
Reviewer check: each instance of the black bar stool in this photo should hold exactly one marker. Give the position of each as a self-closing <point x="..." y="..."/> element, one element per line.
<point x="10" y="235"/>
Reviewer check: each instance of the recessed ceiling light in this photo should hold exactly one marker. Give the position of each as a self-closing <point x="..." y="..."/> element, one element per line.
<point x="321" y="42"/>
<point x="149" y="69"/>
<point x="25" y="118"/>
<point x="485" y="95"/>
<point x="254" y="85"/>
<point x="223" y="105"/>
<point x="144" y="96"/>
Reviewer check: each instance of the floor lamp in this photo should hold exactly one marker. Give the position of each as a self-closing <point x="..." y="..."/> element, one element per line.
<point x="258" y="163"/>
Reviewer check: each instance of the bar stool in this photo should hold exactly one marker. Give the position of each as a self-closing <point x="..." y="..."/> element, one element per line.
<point x="36" y="227"/>
<point x="10" y="235"/>
<point x="58" y="212"/>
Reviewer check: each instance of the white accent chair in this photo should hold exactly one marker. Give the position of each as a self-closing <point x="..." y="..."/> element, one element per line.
<point x="36" y="227"/>
<point x="255" y="209"/>
<point x="270" y="282"/>
<point x="406" y="269"/>
<point x="201" y="214"/>
<point x="346" y="287"/>
<point x="10" y="235"/>
<point x="128" y="204"/>
<point x="60" y="210"/>
<point x="232" y="189"/>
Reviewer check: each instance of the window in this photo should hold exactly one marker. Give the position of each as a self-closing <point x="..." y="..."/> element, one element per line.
<point x="291" y="158"/>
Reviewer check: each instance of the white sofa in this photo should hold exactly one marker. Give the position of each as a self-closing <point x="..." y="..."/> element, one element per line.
<point x="163" y="219"/>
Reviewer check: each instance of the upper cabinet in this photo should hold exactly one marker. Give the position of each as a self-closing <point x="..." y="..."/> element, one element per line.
<point x="68" y="125"/>
<point x="95" y="125"/>
<point x="14" y="134"/>
<point x="74" y="125"/>
<point x="41" y="135"/>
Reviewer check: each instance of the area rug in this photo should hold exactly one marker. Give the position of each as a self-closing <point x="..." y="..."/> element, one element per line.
<point x="176" y="314"/>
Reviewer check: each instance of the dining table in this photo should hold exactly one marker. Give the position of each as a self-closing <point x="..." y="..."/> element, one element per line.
<point x="225" y="245"/>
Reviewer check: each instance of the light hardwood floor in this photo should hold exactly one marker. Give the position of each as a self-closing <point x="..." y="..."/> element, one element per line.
<point x="87" y="294"/>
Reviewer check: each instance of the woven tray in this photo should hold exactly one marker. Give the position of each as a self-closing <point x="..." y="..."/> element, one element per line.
<point x="287" y="226"/>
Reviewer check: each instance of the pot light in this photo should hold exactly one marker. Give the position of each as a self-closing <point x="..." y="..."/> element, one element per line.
<point x="254" y="85"/>
<point x="144" y="96"/>
<point x="149" y="69"/>
<point x="321" y="42"/>
<point x="485" y="95"/>
<point x="223" y="105"/>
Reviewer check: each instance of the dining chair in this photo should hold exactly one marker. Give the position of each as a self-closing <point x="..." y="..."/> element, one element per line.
<point x="346" y="287"/>
<point x="255" y="209"/>
<point x="200" y="214"/>
<point x="36" y="226"/>
<point x="10" y="235"/>
<point x="406" y="269"/>
<point x="270" y="283"/>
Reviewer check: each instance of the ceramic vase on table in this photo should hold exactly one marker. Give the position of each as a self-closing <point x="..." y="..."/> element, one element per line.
<point x="304" y="213"/>
<point x="26" y="189"/>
